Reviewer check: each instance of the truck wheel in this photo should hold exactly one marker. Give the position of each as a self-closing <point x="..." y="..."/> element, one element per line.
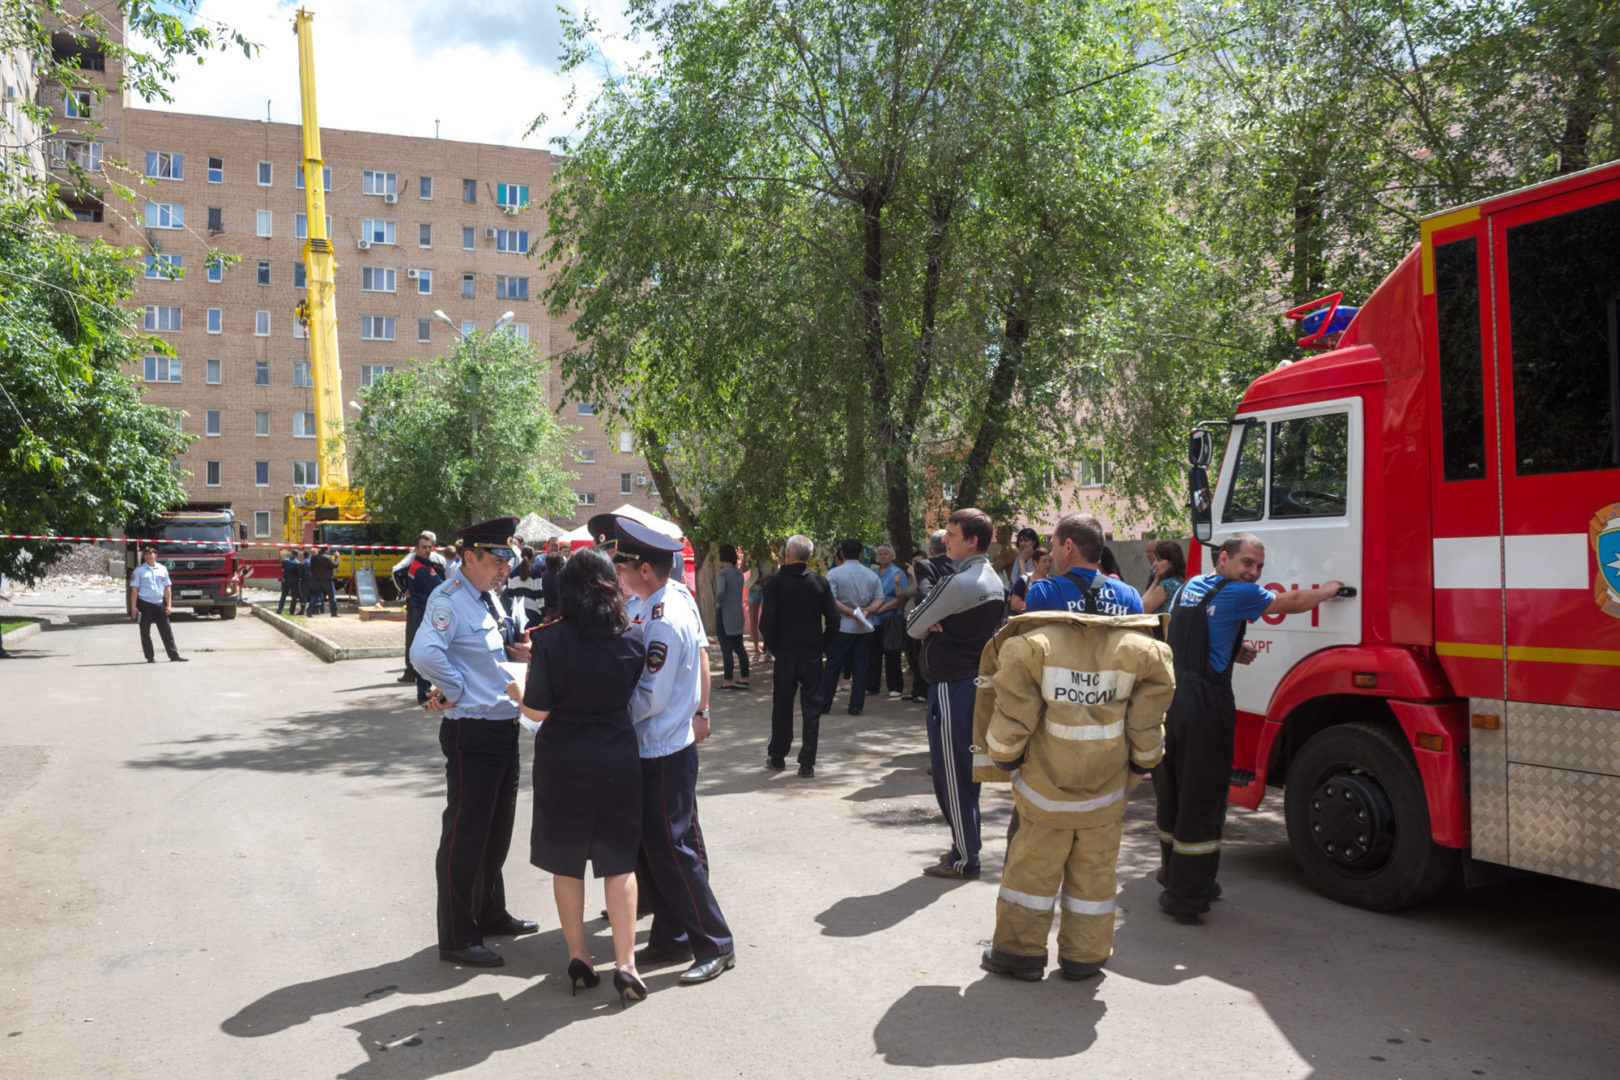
<point x="1358" y="822"/>
<point x="227" y="611"/>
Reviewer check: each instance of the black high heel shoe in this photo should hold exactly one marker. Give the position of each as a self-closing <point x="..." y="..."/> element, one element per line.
<point x="628" y="986"/>
<point x="582" y="974"/>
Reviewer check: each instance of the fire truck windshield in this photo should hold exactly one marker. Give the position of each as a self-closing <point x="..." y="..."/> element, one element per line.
<point x="204" y="539"/>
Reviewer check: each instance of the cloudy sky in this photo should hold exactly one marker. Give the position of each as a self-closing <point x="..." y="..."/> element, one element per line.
<point x="483" y="69"/>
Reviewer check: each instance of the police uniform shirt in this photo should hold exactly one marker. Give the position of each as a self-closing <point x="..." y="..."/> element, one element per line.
<point x="1240" y="602"/>
<point x="149" y="582"/>
<point x="459" y="649"/>
<point x="669" y="692"/>
<point x="1060" y="593"/>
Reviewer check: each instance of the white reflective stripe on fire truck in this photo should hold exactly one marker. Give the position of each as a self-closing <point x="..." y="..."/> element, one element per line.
<point x="1064" y="806"/>
<point x="1089" y="907"/>
<point x="1204" y="848"/>
<point x="1543" y="561"/>
<point x="1024" y="899"/>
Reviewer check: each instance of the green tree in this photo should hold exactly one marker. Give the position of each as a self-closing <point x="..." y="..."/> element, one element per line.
<point x="462" y="438"/>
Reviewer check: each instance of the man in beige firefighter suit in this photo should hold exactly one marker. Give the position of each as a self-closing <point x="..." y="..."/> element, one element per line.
<point x="1070" y="709"/>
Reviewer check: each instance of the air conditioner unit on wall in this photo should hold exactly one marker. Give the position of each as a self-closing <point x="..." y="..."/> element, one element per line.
<point x="509" y="211"/>
<point x="413" y="273"/>
<point x="489" y="233"/>
<point x="641" y="479"/>
<point x="390" y="197"/>
<point x="364" y="245"/>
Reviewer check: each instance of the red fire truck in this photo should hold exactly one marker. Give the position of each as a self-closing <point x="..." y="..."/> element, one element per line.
<point x="1456" y="456"/>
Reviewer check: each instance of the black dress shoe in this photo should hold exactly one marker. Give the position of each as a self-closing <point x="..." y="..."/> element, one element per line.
<point x="704" y="970"/>
<point x="473" y="956"/>
<point x="179" y="660"/>
<point x="807" y="771"/>
<point x="408" y="677"/>
<point x="775" y="764"/>
<point x="511" y="926"/>
<point x="659" y="954"/>
<point x="854" y="712"/>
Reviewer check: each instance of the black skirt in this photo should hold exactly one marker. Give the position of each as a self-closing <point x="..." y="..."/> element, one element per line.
<point x="587" y="796"/>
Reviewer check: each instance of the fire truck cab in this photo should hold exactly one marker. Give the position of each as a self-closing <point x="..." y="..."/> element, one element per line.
<point x="1456" y="457"/>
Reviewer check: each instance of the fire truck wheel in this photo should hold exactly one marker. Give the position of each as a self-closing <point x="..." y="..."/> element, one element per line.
<point x="1358" y="822"/>
<point x="228" y="611"/>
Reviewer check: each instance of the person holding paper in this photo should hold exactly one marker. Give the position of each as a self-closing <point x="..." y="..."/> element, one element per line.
<point x="854" y="589"/>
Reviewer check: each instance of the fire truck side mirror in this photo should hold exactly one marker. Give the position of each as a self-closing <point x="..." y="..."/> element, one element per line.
<point x="1200" y="448"/>
<point x="241" y="532"/>
<point x="1198" y="498"/>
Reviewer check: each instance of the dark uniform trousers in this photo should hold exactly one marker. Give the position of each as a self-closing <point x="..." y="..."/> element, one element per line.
<point x="289" y="590"/>
<point x="798" y="672"/>
<point x="671" y="861"/>
<point x="481" y="774"/>
<point x="1190" y="784"/>
<point x="153" y="613"/>
<point x="950" y="754"/>
<point x="413" y="620"/>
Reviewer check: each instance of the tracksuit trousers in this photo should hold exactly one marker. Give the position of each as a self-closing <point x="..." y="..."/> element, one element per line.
<point x="950" y="741"/>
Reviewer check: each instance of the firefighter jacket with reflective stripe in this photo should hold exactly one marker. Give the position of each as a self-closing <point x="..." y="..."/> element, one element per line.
<point x="1069" y="707"/>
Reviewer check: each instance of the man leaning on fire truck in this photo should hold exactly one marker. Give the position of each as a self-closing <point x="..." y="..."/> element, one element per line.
<point x="1190" y="784"/>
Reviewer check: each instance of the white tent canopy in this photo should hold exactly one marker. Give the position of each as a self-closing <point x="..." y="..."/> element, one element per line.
<point x="652" y="521"/>
<point x="581" y="535"/>
<point x="536" y="529"/>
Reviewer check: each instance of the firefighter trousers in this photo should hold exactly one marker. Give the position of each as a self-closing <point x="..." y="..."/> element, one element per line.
<point x="1071" y="869"/>
<point x="1190" y="787"/>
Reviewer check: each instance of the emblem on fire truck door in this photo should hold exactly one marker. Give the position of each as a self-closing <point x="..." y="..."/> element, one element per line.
<point x="1604" y="533"/>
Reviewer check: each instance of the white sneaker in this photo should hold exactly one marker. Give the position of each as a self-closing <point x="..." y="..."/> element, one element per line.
<point x="894" y="693"/>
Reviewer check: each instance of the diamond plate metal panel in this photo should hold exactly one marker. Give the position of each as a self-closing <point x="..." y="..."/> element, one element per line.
<point x="1488" y="785"/>
<point x="1563" y="737"/>
<point x="1564" y="823"/>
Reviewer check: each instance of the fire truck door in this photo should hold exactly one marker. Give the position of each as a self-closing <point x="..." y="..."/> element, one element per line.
<point x="1293" y="477"/>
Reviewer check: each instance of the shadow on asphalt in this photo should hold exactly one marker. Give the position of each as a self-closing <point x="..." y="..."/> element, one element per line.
<point x="857" y="916"/>
<point x="989" y="1020"/>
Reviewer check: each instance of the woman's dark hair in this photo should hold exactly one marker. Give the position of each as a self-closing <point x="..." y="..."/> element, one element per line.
<point x="588" y="595"/>
<point x="1170" y="552"/>
<point x="1109" y="564"/>
<point x="554" y="562"/>
<point x="728" y="555"/>
<point x="525" y="566"/>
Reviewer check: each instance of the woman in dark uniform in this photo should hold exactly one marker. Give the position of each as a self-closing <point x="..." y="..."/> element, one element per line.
<point x="587" y="770"/>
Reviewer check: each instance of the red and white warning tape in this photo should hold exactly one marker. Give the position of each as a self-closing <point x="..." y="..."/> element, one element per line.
<point x="205" y="543"/>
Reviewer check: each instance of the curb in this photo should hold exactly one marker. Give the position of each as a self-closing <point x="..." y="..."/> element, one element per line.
<point x="12" y="638"/>
<point x="324" y="647"/>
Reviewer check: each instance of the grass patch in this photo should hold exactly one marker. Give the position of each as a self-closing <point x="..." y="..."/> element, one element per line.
<point x="8" y="625"/>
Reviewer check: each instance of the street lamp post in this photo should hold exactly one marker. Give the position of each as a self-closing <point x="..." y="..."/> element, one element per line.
<point x="472" y="340"/>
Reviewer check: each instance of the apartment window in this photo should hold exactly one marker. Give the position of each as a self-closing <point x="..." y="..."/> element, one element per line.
<point x="424" y="187"/>
<point x="303" y="425"/>
<point x="424" y="235"/>
<point x="511" y="288"/>
<point x="261" y="324"/>
<point x="165" y="215"/>
<point x="264" y="271"/>
<point x="467" y="286"/>
<point x="301" y="227"/>
<point x="469" y="238"/>
<point x="261" y="377"/>
<point x="377" y="327"/>
<point x="515" y="196"/>
<point x="86" y="155"/>
<point x="585" y="455"/>
<point x="216" y="321"/>
<point x="424" y="329"/>
<point x="370" y="372"/>
<point x="261" y="417"/>
<point x="326" y="178"/>
<point x="424" y="282"/>
<point x="587" y="409"/>
<point x="519" y="330"/>
<point x="379" y="183"/>
<point x="299" y="280"/>
<point x="626" y="445"/>
<point x="585" y="498"/>
<point x="513" y="240"/>
<point x="76" y="104"/>
<point x="300" y="331"/>
<point x="266" y="172"/>
<point x="216" y="170"/>
<point x="211" y="372"/>
<point x="162" y="369"/>
<point x="211" y="473"/>
<point x="264" y="222"/>
<point x="377" y="279"/>
<point x="301" y="374"/>
<point x="175" y="418"/>
<point x="216" y="269"/>
<point x="261" y="520"/>
<point x="164" y="267"/>
<point x="216" y="220"/>
<point x="377" y="230"/>
<point x="211" y="422"/>
<point x="624" y="483"/>
<point x="261" y="474"/>
<point x="162" y="319"/>
<point x="469" y="188"/>
<point x="306" y="474"/>
<point x="468" y="327"/>
<point x="161" y="165"/>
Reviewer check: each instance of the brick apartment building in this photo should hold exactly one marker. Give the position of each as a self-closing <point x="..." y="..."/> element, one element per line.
<point x="418" y="225"/>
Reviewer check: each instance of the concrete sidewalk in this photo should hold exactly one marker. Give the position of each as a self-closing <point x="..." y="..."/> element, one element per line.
<point x="224" y="868"/>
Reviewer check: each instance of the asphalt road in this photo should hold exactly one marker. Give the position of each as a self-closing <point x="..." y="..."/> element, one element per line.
<point x="224" y="868"/>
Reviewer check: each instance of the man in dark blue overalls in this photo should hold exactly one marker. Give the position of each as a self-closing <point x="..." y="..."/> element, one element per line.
<point x="1190" y="784"/>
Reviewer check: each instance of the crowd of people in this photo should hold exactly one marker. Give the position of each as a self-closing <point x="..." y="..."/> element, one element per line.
<point x="309" y="580"/>
<point x="1039" y="665"/>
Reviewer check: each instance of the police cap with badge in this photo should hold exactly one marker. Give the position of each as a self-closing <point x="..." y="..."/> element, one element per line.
<point x="494" y="536"/>
<point x="627" y="540"/>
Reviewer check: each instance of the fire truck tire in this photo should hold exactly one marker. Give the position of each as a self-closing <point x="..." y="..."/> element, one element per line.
<point x="228" y="611"/>
<point x="1358" y="822"/>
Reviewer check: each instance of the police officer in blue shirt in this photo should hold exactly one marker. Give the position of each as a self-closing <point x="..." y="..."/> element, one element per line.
<point x="150" y="597"/>
<point x="670" y="711"/>
<point x="1080" y="585"/>
<point x="1190" y="785"/>
<point x="459" y="648"/>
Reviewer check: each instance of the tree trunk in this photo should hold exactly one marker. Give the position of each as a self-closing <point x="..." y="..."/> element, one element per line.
<point x="1308" y="276"/>
<point x="869" y="293"/>
<point x="686" y="517"/>
<point x="998" y="403"/>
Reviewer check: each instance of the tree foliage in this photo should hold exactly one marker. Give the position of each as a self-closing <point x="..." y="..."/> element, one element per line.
<point x="462" y="438"/>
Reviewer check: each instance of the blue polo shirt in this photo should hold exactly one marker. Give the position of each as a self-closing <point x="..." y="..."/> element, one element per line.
<point x="1060" y="593"/>
<point x="1240" y="602"/>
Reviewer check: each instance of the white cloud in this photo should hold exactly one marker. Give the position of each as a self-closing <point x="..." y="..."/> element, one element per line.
<point x="483" y="70"/>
